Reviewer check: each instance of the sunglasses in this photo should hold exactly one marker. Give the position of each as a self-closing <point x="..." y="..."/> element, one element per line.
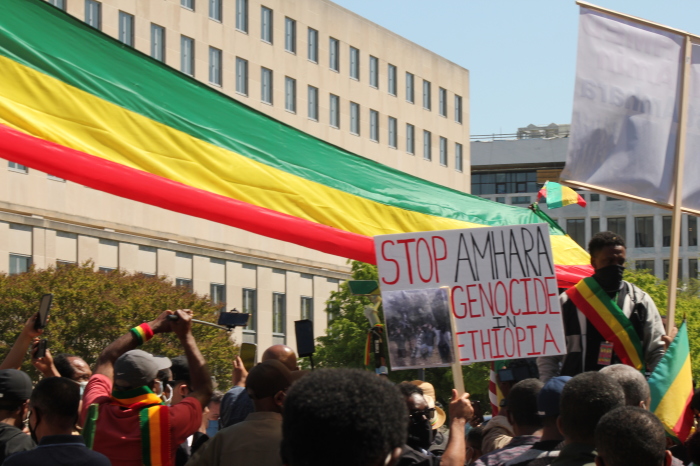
<point x="422" y="415"/>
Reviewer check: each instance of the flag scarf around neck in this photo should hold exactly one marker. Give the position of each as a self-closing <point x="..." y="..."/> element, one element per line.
<point x="671" y="386"/>
<point x="82" y="106"/>
<point x="154" y="421"/>
<point x="559" y="196"/>
<point x="607" y="317"/>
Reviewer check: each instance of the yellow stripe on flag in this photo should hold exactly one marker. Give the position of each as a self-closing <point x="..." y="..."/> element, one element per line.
<point x="673" y="404"/>
<point x="155" y="436"/>
<point x="568" y="196"/>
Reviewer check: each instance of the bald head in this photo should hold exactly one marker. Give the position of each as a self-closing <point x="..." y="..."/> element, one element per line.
<point x="635" y="386"/>
<point x="283" y="354"/>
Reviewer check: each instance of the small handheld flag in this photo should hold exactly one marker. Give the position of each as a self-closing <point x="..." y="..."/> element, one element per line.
<point x="559" y="196"/>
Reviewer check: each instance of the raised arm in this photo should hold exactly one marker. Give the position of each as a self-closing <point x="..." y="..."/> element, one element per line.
<point x="461" y="411"/>
<point x="15" y="357"/>
<point x="200" y="380"/>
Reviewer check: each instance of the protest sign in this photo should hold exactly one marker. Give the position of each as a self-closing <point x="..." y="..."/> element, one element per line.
<point x="503" y="290"/>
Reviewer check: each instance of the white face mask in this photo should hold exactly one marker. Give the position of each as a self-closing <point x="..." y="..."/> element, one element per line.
<point x="166" y="399"/>
<point x="82" y="388"/>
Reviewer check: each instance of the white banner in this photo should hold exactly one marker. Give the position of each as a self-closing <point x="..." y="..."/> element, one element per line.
<point x="691" y="172"/>
<point x="503" y="286"/>
<point x="625" y="117"/>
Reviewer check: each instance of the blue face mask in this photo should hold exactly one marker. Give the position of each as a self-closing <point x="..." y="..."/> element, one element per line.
<point x="212" y="428"/>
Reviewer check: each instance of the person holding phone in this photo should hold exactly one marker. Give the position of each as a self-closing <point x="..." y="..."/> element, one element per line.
<point x="29" y="333"/>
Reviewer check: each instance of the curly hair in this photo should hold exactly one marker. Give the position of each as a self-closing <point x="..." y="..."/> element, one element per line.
<point x="604" y="239"/>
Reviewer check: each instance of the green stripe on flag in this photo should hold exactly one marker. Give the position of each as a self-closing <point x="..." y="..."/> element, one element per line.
<point x="667" y="370"/>
<point x="145" y="437"/>
<point x="69" y="50"/>
<point x="554" y="195"/>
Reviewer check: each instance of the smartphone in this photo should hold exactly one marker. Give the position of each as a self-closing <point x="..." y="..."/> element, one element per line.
<point x="233" y="319"/>
<point x="364" y="287"/>
<point x="40" y="349"/>
<point x="248" y="352"/>
<point x="44" y="311"/>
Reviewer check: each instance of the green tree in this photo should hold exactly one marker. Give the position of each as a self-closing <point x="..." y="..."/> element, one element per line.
<point x="346" y="338"/>
<point x="91" y="309"/>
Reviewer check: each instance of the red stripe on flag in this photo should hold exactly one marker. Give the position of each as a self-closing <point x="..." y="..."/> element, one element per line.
<point x="685" y="423"/>
<point x="145" y="187"/>
<point x="164" y="415"/>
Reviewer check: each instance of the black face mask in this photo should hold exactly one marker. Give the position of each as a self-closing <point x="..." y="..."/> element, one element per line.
<point x="32" y="432"/>
<point x="420" y="434"/>
<point x="610" y="278"/>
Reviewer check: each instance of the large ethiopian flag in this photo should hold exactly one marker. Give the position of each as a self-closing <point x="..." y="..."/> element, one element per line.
<point x="82" y="106"/>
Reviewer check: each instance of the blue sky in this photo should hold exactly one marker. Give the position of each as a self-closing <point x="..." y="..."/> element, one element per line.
<point x="521" y="54"/>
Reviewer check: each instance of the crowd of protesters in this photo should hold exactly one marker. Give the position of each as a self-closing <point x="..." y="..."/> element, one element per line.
<point x="134" y="408"/>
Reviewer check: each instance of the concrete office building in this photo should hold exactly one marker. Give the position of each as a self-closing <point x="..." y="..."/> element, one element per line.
<point x="512" y="168"/>
<point x="308" y="63"/>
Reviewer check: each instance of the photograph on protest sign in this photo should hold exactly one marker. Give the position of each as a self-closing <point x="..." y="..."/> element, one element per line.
<point x="419" y="333"/>
<point x="503" y="286"/>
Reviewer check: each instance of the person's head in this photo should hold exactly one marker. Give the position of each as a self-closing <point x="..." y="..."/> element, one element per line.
<point x="633" y="383"/>
<point x="15" y="390"/>
<point x="584" y="400"/>
<point x="439" y="417"/>
<point x="420" y="431"/>
<point x="180" y="382"/>
<point x="631" y="436"/>
<point x="72" y="367"/>
<point x="522" y="406"/>
<point x="283" y="354"/>
<point x="267" y="384"/>
<point x="548" y="404"/>
<point x="54" y="407"/>
<point x="607" y="248"/>
<point x="695" y="403"/>
<point x="475" y="438"/>
<point x="137" y="368"/>
<point x="331" y="409"/>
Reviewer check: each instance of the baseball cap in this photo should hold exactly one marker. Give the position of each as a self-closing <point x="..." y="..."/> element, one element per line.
<point x="137" y="368"/>
<point x="429" y="395"/>
<point x="268" y="378"/>
<point x="15" y="386"/>
<point x="548" y="398"/>
<point x="180" y="368"/>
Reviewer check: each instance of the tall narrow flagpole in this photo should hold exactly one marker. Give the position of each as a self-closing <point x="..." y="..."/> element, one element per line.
<point x="678" y="187"/>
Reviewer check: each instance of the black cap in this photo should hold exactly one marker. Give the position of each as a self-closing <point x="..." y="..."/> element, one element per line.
<point x="180" y="369"/>
<point x="15" y="386"/>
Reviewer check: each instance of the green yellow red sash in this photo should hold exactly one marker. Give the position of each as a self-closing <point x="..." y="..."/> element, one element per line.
<point x="154" y="421"/>
<point x="607" y="317"/>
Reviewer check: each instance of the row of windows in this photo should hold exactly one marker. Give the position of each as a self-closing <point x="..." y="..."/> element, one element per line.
<point x="650" y="264"/>
<point x="643" y="230"/>
<point x="93" y="17"/>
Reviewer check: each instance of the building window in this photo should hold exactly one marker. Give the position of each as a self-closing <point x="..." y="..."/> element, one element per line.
<point x="458" y="109"/>
<point x="520" y="200"/>
<point x="427" y="145"/>
<point x="215" y="10"/>
<point x="666" y="231"/>
<point x="392" y="126"/>
<point x="290" y="35"/>
<point x="266" y="85"/>
<point x="158" y="42"/>
<point x="334" y="54"/>
<point x="443" y="151"/>
<point x="373" y="71"/>
<point x="106" y="269"/>
<point x="459" y="161"/>
<point x="443" y="102"/>
<point x="504" y="183"/>
<point x="126" y="28"/>
<point x="55" y="178"/>
<point x="93" y="14"/>
<point x="576" y="229"/>
<point x="618" y="225"/>
<point x="307" y="308"/>
<point x="217" y="294"/>
<point x="242" y="15"/>
<point x="335" y="111"/>
<point x="644" y="232"/>
<point x="313" y="45"/>
<point x="595" y="225"/>
<point x="374" y="125"/>
<point x="410" y="138"/>
<point x="354" y="63"/>
<point x="242" y="76"/>
<point x="187" y="55"/>
<point x="313" y="103"/>
<point x="501" y="200"/>
<point x="215" y="66"/>
<point x="645" y="264"/>
<point x="19" y="264"/>
<point x="250" y="306"/>
<point x="58" y="4"/>
<point x="15" y="167"/>
<point x="189" y="4"/>
<point x="355" y="118"/>
<point x="693" y="268"/>
<point x="290" y="94"/>
<point x="595" y="197"/>
<point x="410" y="91"/>
<point x="279" y="312"/>
<point x="426" y="95"/>
<point x="666" y="268"/>
<point x="391" y="79"/>
<point x="184" y="282"/>
<point x="266" y="24"/>
<point x="692" y="230"/>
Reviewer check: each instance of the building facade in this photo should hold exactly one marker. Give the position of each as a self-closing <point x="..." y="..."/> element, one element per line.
<point x="308" y="63"/>
<point x="512" y="168"/>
